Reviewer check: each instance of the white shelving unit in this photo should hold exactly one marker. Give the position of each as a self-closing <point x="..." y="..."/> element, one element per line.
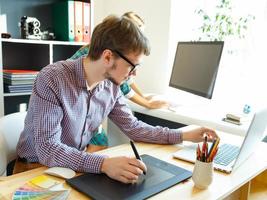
<point x="29" y="54"/>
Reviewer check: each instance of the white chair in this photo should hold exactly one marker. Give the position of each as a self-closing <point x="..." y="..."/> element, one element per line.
<point x="11" y="127"/>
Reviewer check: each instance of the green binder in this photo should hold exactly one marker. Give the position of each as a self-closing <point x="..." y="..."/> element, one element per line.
<point x="63" y="20"/>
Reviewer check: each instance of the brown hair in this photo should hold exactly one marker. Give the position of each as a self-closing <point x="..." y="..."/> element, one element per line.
<point x="136" y="18"/>
<point x="118" y="33"/>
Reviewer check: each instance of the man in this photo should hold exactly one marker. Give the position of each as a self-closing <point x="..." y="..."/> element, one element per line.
<point x="129" y="89"/>
<point x="71" y="98"/>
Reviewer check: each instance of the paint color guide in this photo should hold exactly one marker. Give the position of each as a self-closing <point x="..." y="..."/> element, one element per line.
<point x="44" y="182"/>
<point x="40" y="187"/>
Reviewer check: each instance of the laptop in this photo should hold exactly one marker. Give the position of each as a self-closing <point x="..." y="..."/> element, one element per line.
<point x="230" y="157"/>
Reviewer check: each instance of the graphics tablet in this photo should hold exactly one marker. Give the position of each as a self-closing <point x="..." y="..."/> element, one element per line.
<point x="160" y="176"/>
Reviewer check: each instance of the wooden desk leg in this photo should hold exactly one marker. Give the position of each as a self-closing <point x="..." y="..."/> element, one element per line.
<point x="244" y="191"/>
<point x="262" y="177"/>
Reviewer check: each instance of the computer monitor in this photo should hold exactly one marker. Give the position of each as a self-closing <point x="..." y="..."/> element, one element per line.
<point x="195" y="67"/>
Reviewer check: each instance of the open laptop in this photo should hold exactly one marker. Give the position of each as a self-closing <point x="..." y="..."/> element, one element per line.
<point x="230" y="157"/>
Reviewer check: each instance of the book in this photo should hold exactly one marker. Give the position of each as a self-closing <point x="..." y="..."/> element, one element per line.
<point x="18" y="88"/>
<point x="18" y="81"/>
<point x="18" y="77"/>
<point x="19" y="73"/>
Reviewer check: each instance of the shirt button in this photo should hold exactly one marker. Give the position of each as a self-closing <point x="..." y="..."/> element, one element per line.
<point x="88" y="115"/>
<point x="85" y="132"/>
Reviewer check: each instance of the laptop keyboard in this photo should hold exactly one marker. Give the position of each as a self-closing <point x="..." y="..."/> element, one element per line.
<point x="226" y="154"/>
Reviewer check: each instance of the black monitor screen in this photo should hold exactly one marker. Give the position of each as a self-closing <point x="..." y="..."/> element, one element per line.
<point x="195" y="67"/>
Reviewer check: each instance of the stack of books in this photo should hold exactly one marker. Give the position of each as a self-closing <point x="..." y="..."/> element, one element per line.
<point x="17" y="81"/>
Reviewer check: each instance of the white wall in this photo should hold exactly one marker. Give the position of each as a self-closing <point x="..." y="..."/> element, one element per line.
<point x="166" y="22"/>
<point x="153" y="75"/>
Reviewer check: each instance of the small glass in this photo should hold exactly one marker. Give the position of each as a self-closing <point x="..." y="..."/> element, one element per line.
<point x="202" y="174"/>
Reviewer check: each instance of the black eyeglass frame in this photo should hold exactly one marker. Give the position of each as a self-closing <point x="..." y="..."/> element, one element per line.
<point x="127" y="60"/>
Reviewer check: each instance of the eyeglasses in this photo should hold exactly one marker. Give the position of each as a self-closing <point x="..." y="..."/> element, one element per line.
<point x="127" y="60"/>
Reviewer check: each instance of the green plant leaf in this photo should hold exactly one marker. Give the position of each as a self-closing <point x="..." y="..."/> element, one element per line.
<point x="223" y="24"/>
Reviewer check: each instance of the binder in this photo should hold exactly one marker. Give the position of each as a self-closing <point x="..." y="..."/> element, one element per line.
<point x="78" y="21"/>
<point x="71" y="20"/>
<point x="63" y="20"/>
<point x="86" y="22"/>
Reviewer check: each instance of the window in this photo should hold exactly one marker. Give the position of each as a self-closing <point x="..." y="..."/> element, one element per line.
<point x="242" y="77"/>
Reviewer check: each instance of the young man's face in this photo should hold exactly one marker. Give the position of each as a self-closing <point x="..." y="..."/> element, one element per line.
<point x="123" y="67"/>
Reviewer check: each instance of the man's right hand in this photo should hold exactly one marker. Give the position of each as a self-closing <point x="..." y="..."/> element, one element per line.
<point x="123" y="169"/>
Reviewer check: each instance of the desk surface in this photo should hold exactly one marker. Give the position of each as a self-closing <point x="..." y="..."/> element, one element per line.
<point x="202" y="115"/>
<point x="222" y="185"/>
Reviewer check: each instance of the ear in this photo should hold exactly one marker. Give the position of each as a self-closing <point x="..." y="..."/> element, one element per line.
<point x="108" y="58"/>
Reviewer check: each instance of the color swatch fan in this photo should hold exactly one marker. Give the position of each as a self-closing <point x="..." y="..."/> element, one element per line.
<point x="41" y="187"/>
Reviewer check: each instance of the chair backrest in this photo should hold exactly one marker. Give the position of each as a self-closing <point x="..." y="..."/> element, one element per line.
<point x="3" y="155"/>
<point x="11" y="127"/>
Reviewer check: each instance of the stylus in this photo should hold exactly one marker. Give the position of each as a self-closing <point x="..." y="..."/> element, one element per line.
<point x="136" y="153"/>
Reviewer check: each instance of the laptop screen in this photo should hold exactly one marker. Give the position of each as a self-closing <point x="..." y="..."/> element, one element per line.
<point x="254" y="136"/>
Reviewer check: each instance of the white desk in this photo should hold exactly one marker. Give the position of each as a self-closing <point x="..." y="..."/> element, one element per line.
<point x="210" y="116"/>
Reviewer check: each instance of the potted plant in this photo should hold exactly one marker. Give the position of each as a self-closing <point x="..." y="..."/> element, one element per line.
<point x="223" y="25"/>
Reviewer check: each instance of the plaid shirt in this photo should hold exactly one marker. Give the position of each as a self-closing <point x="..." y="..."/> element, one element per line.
<point x="83" y="51"/>
<point x="63" y="116"/>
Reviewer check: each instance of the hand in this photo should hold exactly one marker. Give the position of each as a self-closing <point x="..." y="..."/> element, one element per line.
<point x="198" y="134"/>
<point x="154" y="104"/>
<point x="149" y="97"/>
<point x="123" y="169"/>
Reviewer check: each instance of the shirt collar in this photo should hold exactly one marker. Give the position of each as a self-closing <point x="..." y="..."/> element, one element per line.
<point x="87" y="86"/>
<point x="81" y="77"/>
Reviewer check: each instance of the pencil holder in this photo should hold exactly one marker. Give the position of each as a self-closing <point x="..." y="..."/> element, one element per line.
<point x="202" y="174"/>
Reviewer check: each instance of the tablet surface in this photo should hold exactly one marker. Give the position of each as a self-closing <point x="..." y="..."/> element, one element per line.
<point x="160" y="176"/>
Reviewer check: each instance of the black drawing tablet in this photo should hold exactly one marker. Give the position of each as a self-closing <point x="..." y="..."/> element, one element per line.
<point x="160" y="176"/>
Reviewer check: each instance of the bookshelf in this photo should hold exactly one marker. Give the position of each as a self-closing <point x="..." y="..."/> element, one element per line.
<point x="18" y="53"/>
<point x="30" y="54"/>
